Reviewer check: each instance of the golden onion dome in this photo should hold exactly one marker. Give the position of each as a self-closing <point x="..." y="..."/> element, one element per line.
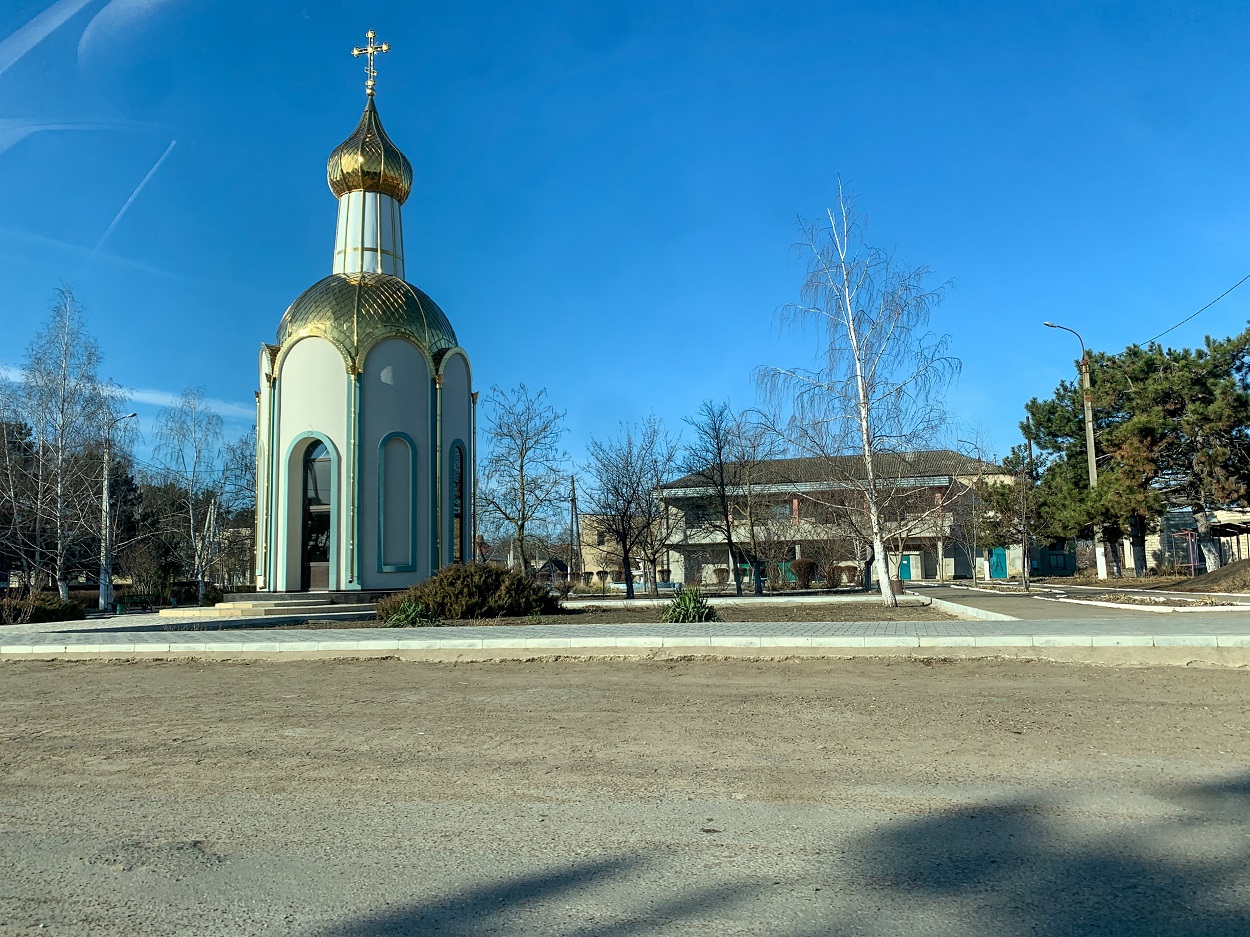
<point x="368" y="161"/>
<point x="357" y="310"/>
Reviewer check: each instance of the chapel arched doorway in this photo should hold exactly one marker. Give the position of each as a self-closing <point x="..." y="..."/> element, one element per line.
<point x="318" y="497"/>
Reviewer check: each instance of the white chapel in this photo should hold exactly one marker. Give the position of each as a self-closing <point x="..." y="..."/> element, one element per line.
<point x="366" y="415"/>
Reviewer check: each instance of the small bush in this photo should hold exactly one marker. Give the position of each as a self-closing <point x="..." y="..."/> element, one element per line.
<point x="688" y="607"/>
<point x="42" y="607"/>
<point x="722" y="575"/>
<point x="833" y="576"/>
<point x="804" y="572"/>
<point x="476" y="591"/>
<point x="412" y="615"/>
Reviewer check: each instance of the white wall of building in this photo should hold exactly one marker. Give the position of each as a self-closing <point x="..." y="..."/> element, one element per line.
<point x="311" y="403"/>
<point x="457" y="406"/>
<point x="395" y="398"/>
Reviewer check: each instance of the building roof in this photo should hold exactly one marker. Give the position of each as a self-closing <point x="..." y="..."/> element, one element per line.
<point x="368" y="161"/>
<point x="935" y="463"/>
<point x="358" y="310"/>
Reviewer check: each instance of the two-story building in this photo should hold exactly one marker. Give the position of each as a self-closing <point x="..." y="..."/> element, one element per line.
<point x="784" y="509"/>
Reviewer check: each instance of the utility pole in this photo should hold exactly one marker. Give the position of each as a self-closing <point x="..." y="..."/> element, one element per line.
<point x="1091" y="460"/>
<point x="106" y="528"/>
<point x="1026" y="488"/>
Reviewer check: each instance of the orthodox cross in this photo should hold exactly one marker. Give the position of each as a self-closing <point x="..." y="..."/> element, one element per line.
<point x="371" y="50"/>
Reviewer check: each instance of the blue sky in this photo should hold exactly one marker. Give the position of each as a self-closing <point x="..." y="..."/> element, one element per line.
<point x="606" y="193"/>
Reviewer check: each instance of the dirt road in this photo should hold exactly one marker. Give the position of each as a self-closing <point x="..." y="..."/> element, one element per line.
<point x="617" y="798"/>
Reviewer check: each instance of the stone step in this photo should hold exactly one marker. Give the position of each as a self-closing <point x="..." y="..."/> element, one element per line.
<point x="274" y="603"/>
<point x="263" y="611"/>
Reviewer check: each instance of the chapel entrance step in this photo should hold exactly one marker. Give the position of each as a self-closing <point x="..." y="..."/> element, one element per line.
<point x="264" y="610"/>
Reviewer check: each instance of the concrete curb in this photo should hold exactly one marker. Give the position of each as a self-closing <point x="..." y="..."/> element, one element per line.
<point x="968" y="611"/>
<point x="1153" y="609"/>
<point x="321" y="644"/>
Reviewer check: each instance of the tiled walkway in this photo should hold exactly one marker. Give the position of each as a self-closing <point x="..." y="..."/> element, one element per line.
<point x="1038" y="624"/>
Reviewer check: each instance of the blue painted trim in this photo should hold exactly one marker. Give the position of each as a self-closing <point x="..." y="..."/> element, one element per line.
<point x="411" y="565"/>
<point x="335" y="505"/>
<point x="435" y="455"/>
<point x="465" y="555"/>
<point x="276" y="490"/>
<point x="353" y="493"/>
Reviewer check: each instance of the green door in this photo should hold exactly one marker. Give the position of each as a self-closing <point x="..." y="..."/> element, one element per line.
<point x="904" y="567"/>
<point x="998" y="563"/>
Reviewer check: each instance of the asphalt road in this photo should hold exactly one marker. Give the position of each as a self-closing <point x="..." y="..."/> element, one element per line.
<point x="862" y="797"/>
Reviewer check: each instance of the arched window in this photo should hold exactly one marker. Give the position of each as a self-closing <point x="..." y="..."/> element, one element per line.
<point x="458" y="488"/>
<point x="397" y="515"/>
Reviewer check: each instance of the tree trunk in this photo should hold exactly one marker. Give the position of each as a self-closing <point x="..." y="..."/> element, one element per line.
<point x="1137" y="533"/>
<point x="655" y="580"/>
<point x="1113" y="540"/>
<point x="881" y="560"/>
<point x="629" y="572"/>
<point x="734" y="569"/>
<point x="520" y="549"/>
<point x="1210" y="549"/>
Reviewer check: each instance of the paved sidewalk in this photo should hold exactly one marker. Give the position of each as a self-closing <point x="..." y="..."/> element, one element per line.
<point x="1028" y="607"/>
<point x="1031" y="622"/>
<point x="1216" y="632"/>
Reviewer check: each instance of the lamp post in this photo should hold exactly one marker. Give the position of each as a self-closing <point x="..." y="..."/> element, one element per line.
<point x="1089" y="437"/>
<point x="106" y="529"/>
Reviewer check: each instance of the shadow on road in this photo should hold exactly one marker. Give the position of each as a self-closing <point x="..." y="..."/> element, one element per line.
<point x="1025" y="866"/>
<point x="530" y="904"/>
<point x="1029" y="867"/>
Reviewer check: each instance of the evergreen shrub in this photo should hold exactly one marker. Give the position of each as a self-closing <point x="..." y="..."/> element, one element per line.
<point x="472" y="591"/>
<point x="46" y="606"/>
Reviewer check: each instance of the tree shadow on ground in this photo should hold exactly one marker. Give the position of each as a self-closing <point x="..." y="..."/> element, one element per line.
<point x="525" y="905"/>
<point x="1029" y="866"/>
<point x="1174" y="866"/>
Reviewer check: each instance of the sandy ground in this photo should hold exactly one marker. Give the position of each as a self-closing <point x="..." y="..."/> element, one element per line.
<point x="805" y="797"/>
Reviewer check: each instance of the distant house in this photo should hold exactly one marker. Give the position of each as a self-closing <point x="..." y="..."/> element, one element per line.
<point x="1174" y="545"/>
<point x="784" y="509"/>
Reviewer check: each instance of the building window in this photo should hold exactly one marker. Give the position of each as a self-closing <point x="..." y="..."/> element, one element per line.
<point x="397" y="504"/>
<point x="457" y="503"/>
<point x="600" y="538"/>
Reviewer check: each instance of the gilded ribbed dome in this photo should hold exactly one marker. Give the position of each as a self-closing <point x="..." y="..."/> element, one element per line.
<point x="356" y="311"/>
<point x="368" y="161"/>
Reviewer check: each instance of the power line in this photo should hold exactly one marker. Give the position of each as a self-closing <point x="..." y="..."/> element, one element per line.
<point x="1203" y="309"/>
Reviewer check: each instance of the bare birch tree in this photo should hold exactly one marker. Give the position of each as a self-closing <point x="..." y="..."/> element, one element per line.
<point x="881" y="373"/>
<point x="524" y="479"/>
<point x="60" y="398"/>
<point x="189" y="448"/>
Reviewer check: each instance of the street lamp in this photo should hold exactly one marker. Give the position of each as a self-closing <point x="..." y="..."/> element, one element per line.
<point x="1089" y="436"/>
<point x="106" y="529"/>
